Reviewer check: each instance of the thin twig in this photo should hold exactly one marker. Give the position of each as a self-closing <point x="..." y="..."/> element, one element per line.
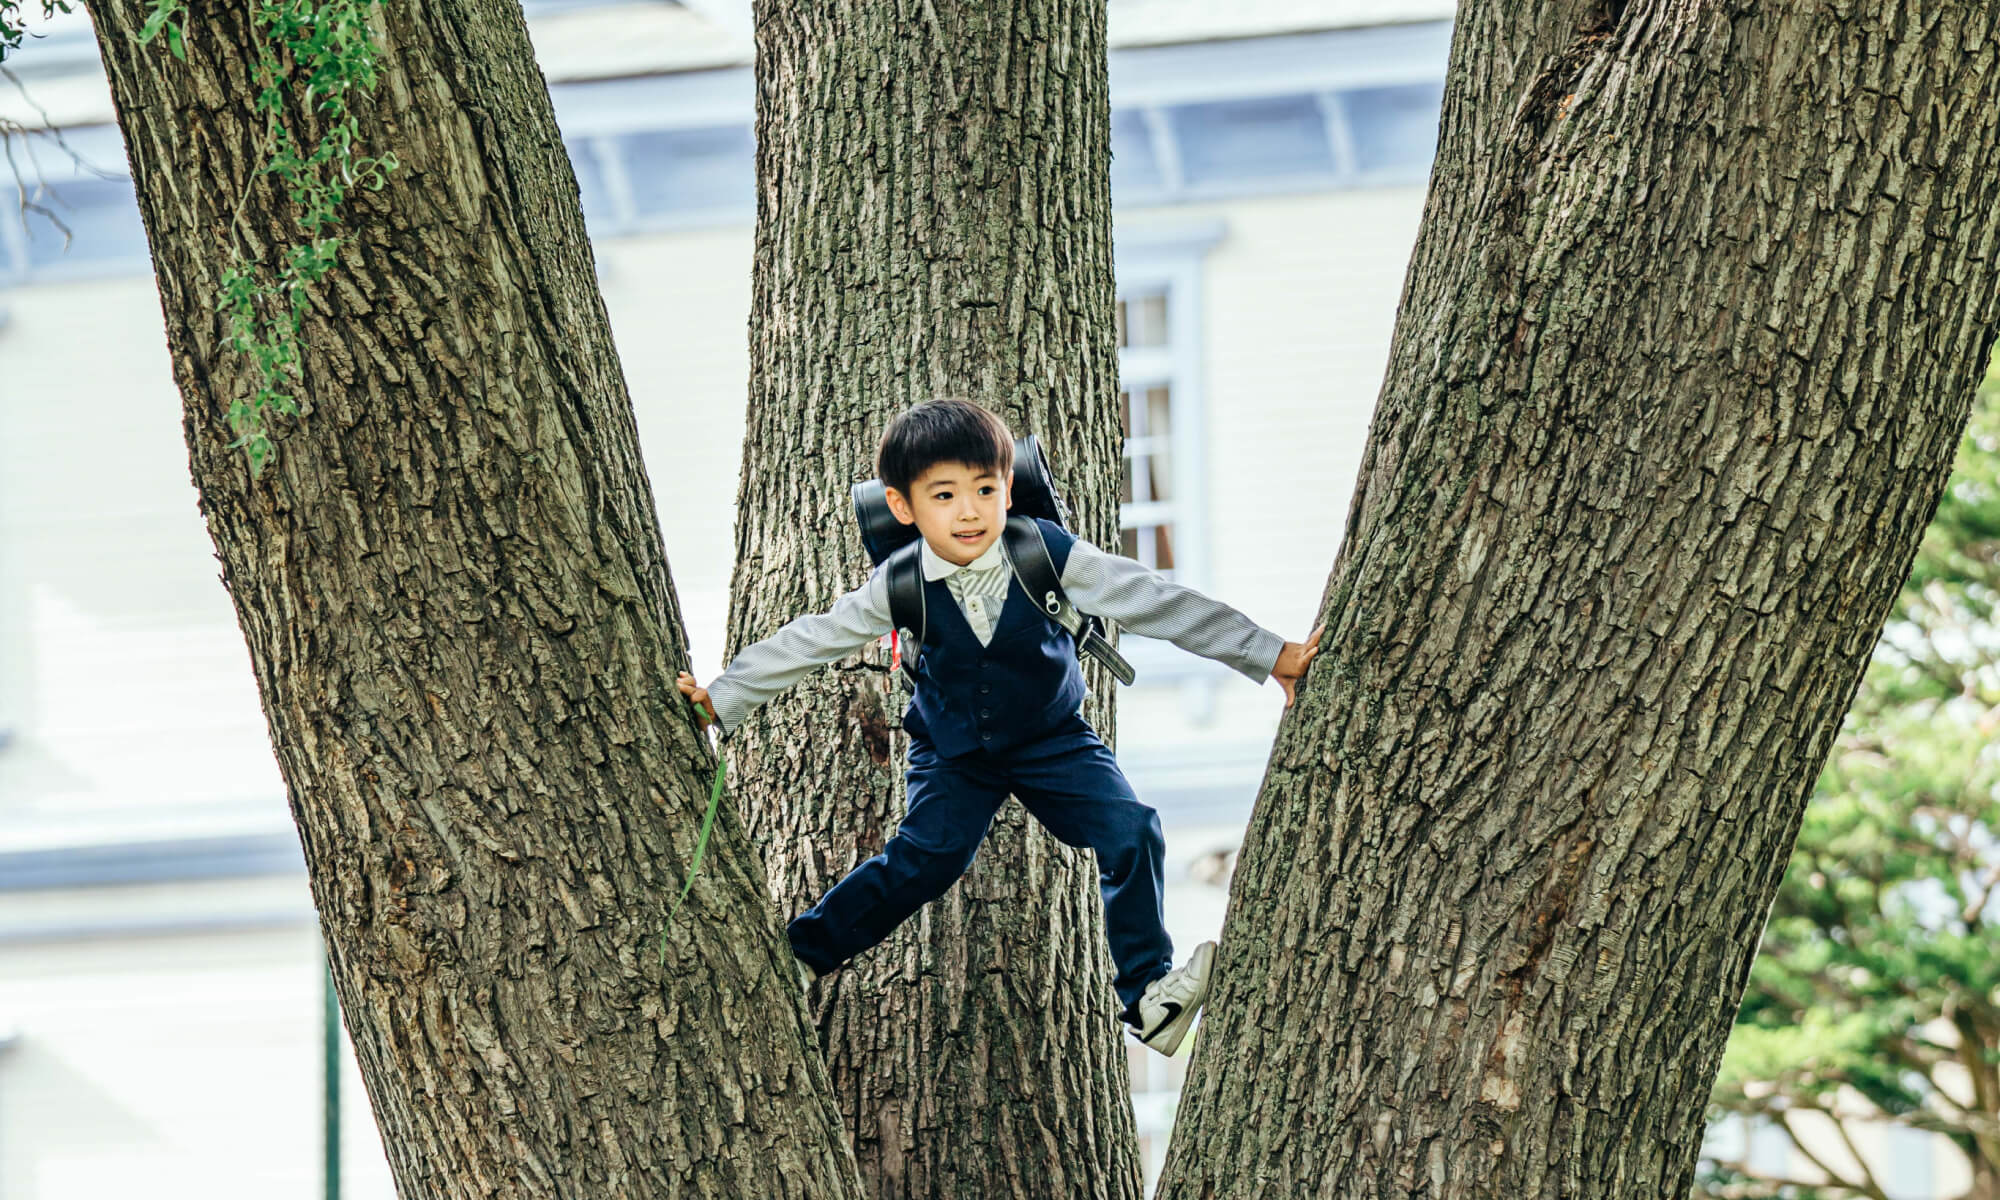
<point x="50" y="129"/>
<point x="1837" y="1179"/>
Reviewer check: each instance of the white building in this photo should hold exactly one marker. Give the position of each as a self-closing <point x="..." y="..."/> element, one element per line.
<point x="160" y="991"/>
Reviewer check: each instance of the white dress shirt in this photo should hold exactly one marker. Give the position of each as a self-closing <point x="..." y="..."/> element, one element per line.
<point x="980" y="586"/>
<point x="1106" y="585"/>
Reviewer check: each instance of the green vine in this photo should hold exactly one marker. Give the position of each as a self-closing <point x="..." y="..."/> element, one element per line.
<point x="321" y="51"/>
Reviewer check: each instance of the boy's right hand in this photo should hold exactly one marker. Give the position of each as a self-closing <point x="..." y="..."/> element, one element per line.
<point x="704" y="712"/>
<point x="1293" y="661"/>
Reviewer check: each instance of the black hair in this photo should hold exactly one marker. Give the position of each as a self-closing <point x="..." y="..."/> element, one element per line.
<point x="943" y="431"/>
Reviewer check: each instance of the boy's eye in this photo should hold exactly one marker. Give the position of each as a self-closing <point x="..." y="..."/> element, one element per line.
<point x="988" y="490"/>
<point x="941" y="496"/>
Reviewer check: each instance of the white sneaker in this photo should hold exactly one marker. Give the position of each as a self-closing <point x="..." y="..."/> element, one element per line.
<point x="1170" y="1003"/>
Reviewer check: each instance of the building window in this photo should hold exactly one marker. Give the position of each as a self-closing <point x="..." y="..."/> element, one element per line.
<point x="1146" y="369"/>
<point x="691" y="171"/>
<point x="1162" y="507"/>
<point x="1136" y="169"/>
<point x="665" y="178"/>
<point x="600" y="207"/>
<point x="1146" y="487"/>
<point x="1393" y="130"/>
<point x="1270" y="137"/>
<point x="1323" y="111"/>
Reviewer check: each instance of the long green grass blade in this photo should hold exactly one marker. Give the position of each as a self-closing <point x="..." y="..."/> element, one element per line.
<point x="700" y="849"/>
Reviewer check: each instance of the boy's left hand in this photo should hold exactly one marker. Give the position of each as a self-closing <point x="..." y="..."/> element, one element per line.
<point x="1293" y="661"/>
<point x="704" y="709"/>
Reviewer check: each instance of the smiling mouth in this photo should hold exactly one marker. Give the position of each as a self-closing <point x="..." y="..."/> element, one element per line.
<point x="973" y="536"/>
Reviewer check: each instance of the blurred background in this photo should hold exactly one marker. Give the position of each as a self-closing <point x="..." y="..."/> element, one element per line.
<point x="164" y="1023"/>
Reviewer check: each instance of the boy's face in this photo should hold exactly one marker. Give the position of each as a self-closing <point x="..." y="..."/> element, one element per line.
<point x="959" y="509"/>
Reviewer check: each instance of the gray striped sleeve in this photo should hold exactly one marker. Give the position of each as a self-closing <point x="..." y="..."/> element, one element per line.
<point x="1140" y="600"/>
<point x="768" y="667"/>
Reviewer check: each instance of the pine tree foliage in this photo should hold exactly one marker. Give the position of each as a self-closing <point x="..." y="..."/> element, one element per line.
<point x="1876" y="999"/>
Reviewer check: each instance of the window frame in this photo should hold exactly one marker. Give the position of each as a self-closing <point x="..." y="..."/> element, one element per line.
<point x="1171" y="258"/>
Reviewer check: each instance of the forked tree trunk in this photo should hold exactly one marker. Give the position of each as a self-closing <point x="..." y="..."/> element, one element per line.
<point x="1689" y="336"/>
<point x="464" y="634"/>
<point x="934" y="219"/>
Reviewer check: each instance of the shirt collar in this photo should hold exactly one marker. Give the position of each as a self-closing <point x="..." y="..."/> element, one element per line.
<point x="937" y="567"/>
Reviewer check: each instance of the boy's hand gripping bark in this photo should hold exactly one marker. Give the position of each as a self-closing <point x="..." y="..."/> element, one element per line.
<point x="1292" y="663"/>
<point x="704" y="711"/>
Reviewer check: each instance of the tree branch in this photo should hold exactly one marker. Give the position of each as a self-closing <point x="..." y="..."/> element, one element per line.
<point x="1985" y="1095"/>
<point x="1772" y="1184"/>
<point x="1847" y="1140"/>
<point x="1819" y="1164"/>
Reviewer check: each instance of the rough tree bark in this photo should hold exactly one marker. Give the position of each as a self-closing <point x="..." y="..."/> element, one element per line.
<point x="1691" y="329"/>
<point x="462" y="626"/>
<point x="934" y="218"/>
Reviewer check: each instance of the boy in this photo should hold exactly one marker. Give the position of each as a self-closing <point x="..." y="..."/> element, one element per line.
<point x="997" y="709"/>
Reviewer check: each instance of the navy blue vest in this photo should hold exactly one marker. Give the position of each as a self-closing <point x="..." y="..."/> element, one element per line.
<point x="1006" y="693"/>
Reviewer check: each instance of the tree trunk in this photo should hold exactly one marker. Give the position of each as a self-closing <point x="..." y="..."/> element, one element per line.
<point x="934" y="219"/>
<point x="1690" y="332"/>
<point x="461" y="623"/>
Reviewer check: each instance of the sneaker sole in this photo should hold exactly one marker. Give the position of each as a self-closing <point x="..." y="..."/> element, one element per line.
<point x="1167" y="1038"/>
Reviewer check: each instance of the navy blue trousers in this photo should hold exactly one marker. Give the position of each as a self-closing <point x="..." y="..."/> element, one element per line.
<point x="1071" y="784"/>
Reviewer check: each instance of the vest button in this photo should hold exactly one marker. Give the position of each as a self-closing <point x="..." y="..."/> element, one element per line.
<point x="985" y="688"/>
<point x="985" y="713"/>
<point x="986" y="737"/>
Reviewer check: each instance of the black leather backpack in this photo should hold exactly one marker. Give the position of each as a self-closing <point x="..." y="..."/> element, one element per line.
<point x="1034" y="493"/>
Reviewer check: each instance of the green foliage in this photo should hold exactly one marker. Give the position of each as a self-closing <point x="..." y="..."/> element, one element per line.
<point x="318" y="61"/>
<point x="11" y="28"/>
<point x="1878" y="984"/>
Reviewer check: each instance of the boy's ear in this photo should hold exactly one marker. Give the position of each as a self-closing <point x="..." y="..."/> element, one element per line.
<point x="899" y="506"/>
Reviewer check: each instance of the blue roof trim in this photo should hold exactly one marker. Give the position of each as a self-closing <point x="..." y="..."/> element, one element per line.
<point x="165" y="861"/>
<point x="128" y="925"/>
<point x="1157" y="238"/>
<point x="1191" y="123"/>
<point x="1240" y="69"/>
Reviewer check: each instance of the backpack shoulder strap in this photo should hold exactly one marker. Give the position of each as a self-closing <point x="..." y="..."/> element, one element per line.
<point x="1035" y="567"/>
<point x="906" y="601"/>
